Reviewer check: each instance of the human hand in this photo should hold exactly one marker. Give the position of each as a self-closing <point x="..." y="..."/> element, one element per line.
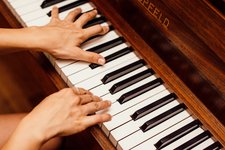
<point x="62" y="38"/>
<point x="64" y="113"/>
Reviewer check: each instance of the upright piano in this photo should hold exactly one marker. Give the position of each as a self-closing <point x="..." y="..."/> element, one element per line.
<point x="164" y="71"/>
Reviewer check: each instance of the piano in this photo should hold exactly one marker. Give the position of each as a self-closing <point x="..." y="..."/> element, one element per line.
<point x="165" y="69"/>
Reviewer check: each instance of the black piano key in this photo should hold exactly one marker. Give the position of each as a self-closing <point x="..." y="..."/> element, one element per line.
<point x="130" y="81"/>
<point x="140" y="90"/>
<point x="214" y="146"/>
<point x="162" y="117"/>
<point x="47" y="3"/>
<point x="95" y="21"/>
<point x="122" y="71"/>
<point x="113" y="56"/>
<point x="195" y="141"/>
<point x="69" y="6"/>
<point x="105" y="46"/>
<point x="153" y="106"/>
<point x="177" y="134"/>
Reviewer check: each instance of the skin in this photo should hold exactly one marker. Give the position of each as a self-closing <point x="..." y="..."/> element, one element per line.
<point x="60" y="38"/>
<point x="70" y="110"/>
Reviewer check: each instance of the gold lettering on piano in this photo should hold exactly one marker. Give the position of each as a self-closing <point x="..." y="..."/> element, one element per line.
<point x="155" y="12"/>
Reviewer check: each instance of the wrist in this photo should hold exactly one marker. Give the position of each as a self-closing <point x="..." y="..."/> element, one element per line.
<point x="30" y="38"/>
<point x="31" y="131"/>
<point x="35" y="38"/>
<point x="40" y="130"/>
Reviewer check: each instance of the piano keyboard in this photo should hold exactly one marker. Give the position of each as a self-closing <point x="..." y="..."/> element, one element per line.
<point x="146" y="114"/>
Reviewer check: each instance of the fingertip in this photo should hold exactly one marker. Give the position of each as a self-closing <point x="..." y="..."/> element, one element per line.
<point x="95" y="11"/>
<point x="78" y="9"/>
<point x="54" y="12"/>
<point x="109" y="103"/>
<point x="108" y="117"/>
<point x="101" y="61"/>
<point x="105" y="118"/>
<point x="55" y="9"/>
<point x="106" y="28"/>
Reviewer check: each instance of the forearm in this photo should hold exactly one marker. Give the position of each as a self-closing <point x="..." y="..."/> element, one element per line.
<point x="19" y="39"/>
<point x="25" y="137"/>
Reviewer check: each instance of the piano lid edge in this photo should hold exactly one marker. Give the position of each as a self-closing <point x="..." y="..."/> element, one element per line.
<point x="13" y="18"/>
<point x="103" y="141"/>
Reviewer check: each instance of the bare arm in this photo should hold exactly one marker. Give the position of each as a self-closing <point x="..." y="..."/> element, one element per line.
<point x="66" y="112"/>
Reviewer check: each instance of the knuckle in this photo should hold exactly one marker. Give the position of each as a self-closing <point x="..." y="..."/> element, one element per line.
<point x="77" y="100"/>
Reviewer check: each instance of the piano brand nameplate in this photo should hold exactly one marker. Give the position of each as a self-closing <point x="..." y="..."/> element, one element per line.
<point x="155" y="12"/>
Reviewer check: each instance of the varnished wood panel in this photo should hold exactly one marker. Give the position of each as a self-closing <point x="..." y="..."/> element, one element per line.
<point x="23" y="83"/>
<point x="135" y="26"/>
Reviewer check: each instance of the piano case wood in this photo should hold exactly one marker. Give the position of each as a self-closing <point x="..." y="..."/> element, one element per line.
<point x="186" y="53"/>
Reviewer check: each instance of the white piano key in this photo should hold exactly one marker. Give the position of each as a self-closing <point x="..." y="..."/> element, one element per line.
<point x="123" y="117"/>
<point x="104" y="88"/>
<point x="62" y="63"/>
<point x="80" y="65"/>
<point x="114" y="97"/>
<point x="117" y="107"/>
<point x="88" y="73"/>
<point x="39" y="12"/>
<point x="38" y="22"/>
<point x="133" y="126"/>
<point x="149" y="144"/>
<point x="204" y="144"/>
<point x="22" y="3"/>
<point x="134" y="140"/>
<point x="44" y="19"/>
<point x="184" y="139"/>
<point x="12" y="1"/>
<point x="29" y="7"/>
<point x="90" y="44"/>
<point x="96" y="80"/>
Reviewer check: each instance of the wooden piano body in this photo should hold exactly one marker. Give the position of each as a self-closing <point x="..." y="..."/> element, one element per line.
<point x="183" y="41"/>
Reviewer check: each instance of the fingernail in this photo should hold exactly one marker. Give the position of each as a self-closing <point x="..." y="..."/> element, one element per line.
<point x="106" y="28"/>
<point x="101" y="61"/>
<point x="78" y="9"/>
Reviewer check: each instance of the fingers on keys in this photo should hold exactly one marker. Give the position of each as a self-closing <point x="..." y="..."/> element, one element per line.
<point x="95" y="119"/>
<point x="80" y="91"/>
<point x="90" y="57"/>
<point x="84" y="99"/>
<point x="93" y="107"/>
<point x="96" y="30"/>
<point x="72" y="15"/>
<point x="84" y="18"/>
<point x="55" y="13"/>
